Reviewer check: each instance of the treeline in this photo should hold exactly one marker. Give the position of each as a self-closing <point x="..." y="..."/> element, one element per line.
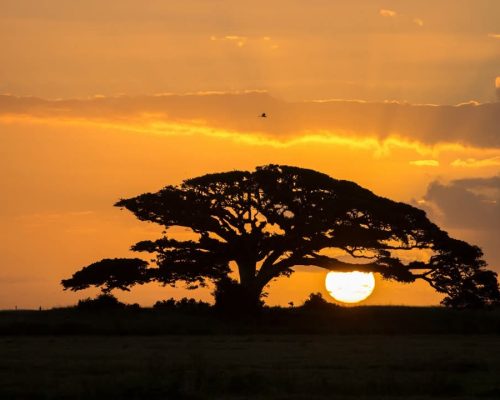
<point x="107" y="301"/>
<point x="108" y="316"/>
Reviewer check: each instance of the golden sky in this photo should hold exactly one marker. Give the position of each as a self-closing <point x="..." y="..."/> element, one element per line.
<point x="103" y="100"/>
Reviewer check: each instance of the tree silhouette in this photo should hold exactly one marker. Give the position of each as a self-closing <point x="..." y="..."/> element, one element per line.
<point x="270" y="220"/>
<point x="109" y="274"/>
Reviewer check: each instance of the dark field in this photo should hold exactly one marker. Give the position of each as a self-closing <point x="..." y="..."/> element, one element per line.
<point x="268" y="367"/>
<point x="119" y="358"/>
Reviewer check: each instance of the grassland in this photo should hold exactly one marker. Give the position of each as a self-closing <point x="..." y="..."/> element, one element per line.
<point x="256" y="366"/>
<point x="361" y="353"/>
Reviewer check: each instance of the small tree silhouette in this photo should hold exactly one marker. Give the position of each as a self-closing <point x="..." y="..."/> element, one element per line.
<point x="277" y="217"/>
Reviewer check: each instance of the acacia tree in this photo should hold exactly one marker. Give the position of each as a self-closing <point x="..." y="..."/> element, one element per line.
<point x="270" y="220"/>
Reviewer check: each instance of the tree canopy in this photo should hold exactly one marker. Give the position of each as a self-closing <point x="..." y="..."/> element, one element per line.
<point x="109" y="274"/>
<point x="268" y="221"/>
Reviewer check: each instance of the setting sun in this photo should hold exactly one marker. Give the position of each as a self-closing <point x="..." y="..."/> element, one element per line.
<point x="350" y="287"/>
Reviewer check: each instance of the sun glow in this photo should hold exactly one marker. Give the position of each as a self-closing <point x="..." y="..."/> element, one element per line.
<point x="350" y="287"/>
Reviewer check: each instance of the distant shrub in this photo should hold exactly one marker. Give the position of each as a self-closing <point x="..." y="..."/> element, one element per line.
<point x="184" y="304"/>
<point x="105" y="301"/>
<point x="316" y="302"/>
<point x="169" y="304"/>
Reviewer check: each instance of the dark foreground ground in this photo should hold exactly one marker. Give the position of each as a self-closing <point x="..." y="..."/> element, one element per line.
<point x="360" y="353"/>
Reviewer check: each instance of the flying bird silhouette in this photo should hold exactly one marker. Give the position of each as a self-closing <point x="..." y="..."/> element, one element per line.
<point x="263" y="115"/>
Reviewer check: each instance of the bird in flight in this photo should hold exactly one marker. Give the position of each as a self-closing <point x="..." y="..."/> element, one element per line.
<point x="263" y="115"/>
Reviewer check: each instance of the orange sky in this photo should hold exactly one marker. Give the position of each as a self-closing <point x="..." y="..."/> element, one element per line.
<point x="64" y="163"/>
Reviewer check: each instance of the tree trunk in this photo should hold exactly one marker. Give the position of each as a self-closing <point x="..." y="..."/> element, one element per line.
<point x="243" y="297"/>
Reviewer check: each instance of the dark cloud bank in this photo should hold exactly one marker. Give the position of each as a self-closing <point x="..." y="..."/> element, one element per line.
<point x="470" y="206"/>
<point x="470" y="124"/>
<point x="472" y="203"/>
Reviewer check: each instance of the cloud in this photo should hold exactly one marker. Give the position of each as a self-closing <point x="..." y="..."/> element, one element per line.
<point x="471" y="209"/>
<point x="469" y="124"/>
<point x="475" y="163"/>
<point x="418" y="21"/>
<point x="425" y="163"/>
<point x="240" y="41"/>
<point x="494" y="35"/>
<point x="387" y="13"/>
<point x="472" y="203"/>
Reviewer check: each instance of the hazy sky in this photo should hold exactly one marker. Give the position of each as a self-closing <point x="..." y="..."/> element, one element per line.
<point x="421" y="51"/>
<point x="399" y="96"/>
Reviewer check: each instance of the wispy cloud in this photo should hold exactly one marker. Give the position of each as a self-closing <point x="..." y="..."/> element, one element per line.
<point x="494" y="35"/>
<point x="387" y="13"/>
<point x="425" y="163"/>
<point x="475" y="163"/>
<point x="240" y="41"/>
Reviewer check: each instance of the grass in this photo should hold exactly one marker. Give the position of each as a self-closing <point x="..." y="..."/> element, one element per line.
<point x="338" y="353"/>
<point x="250" y="366"/>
